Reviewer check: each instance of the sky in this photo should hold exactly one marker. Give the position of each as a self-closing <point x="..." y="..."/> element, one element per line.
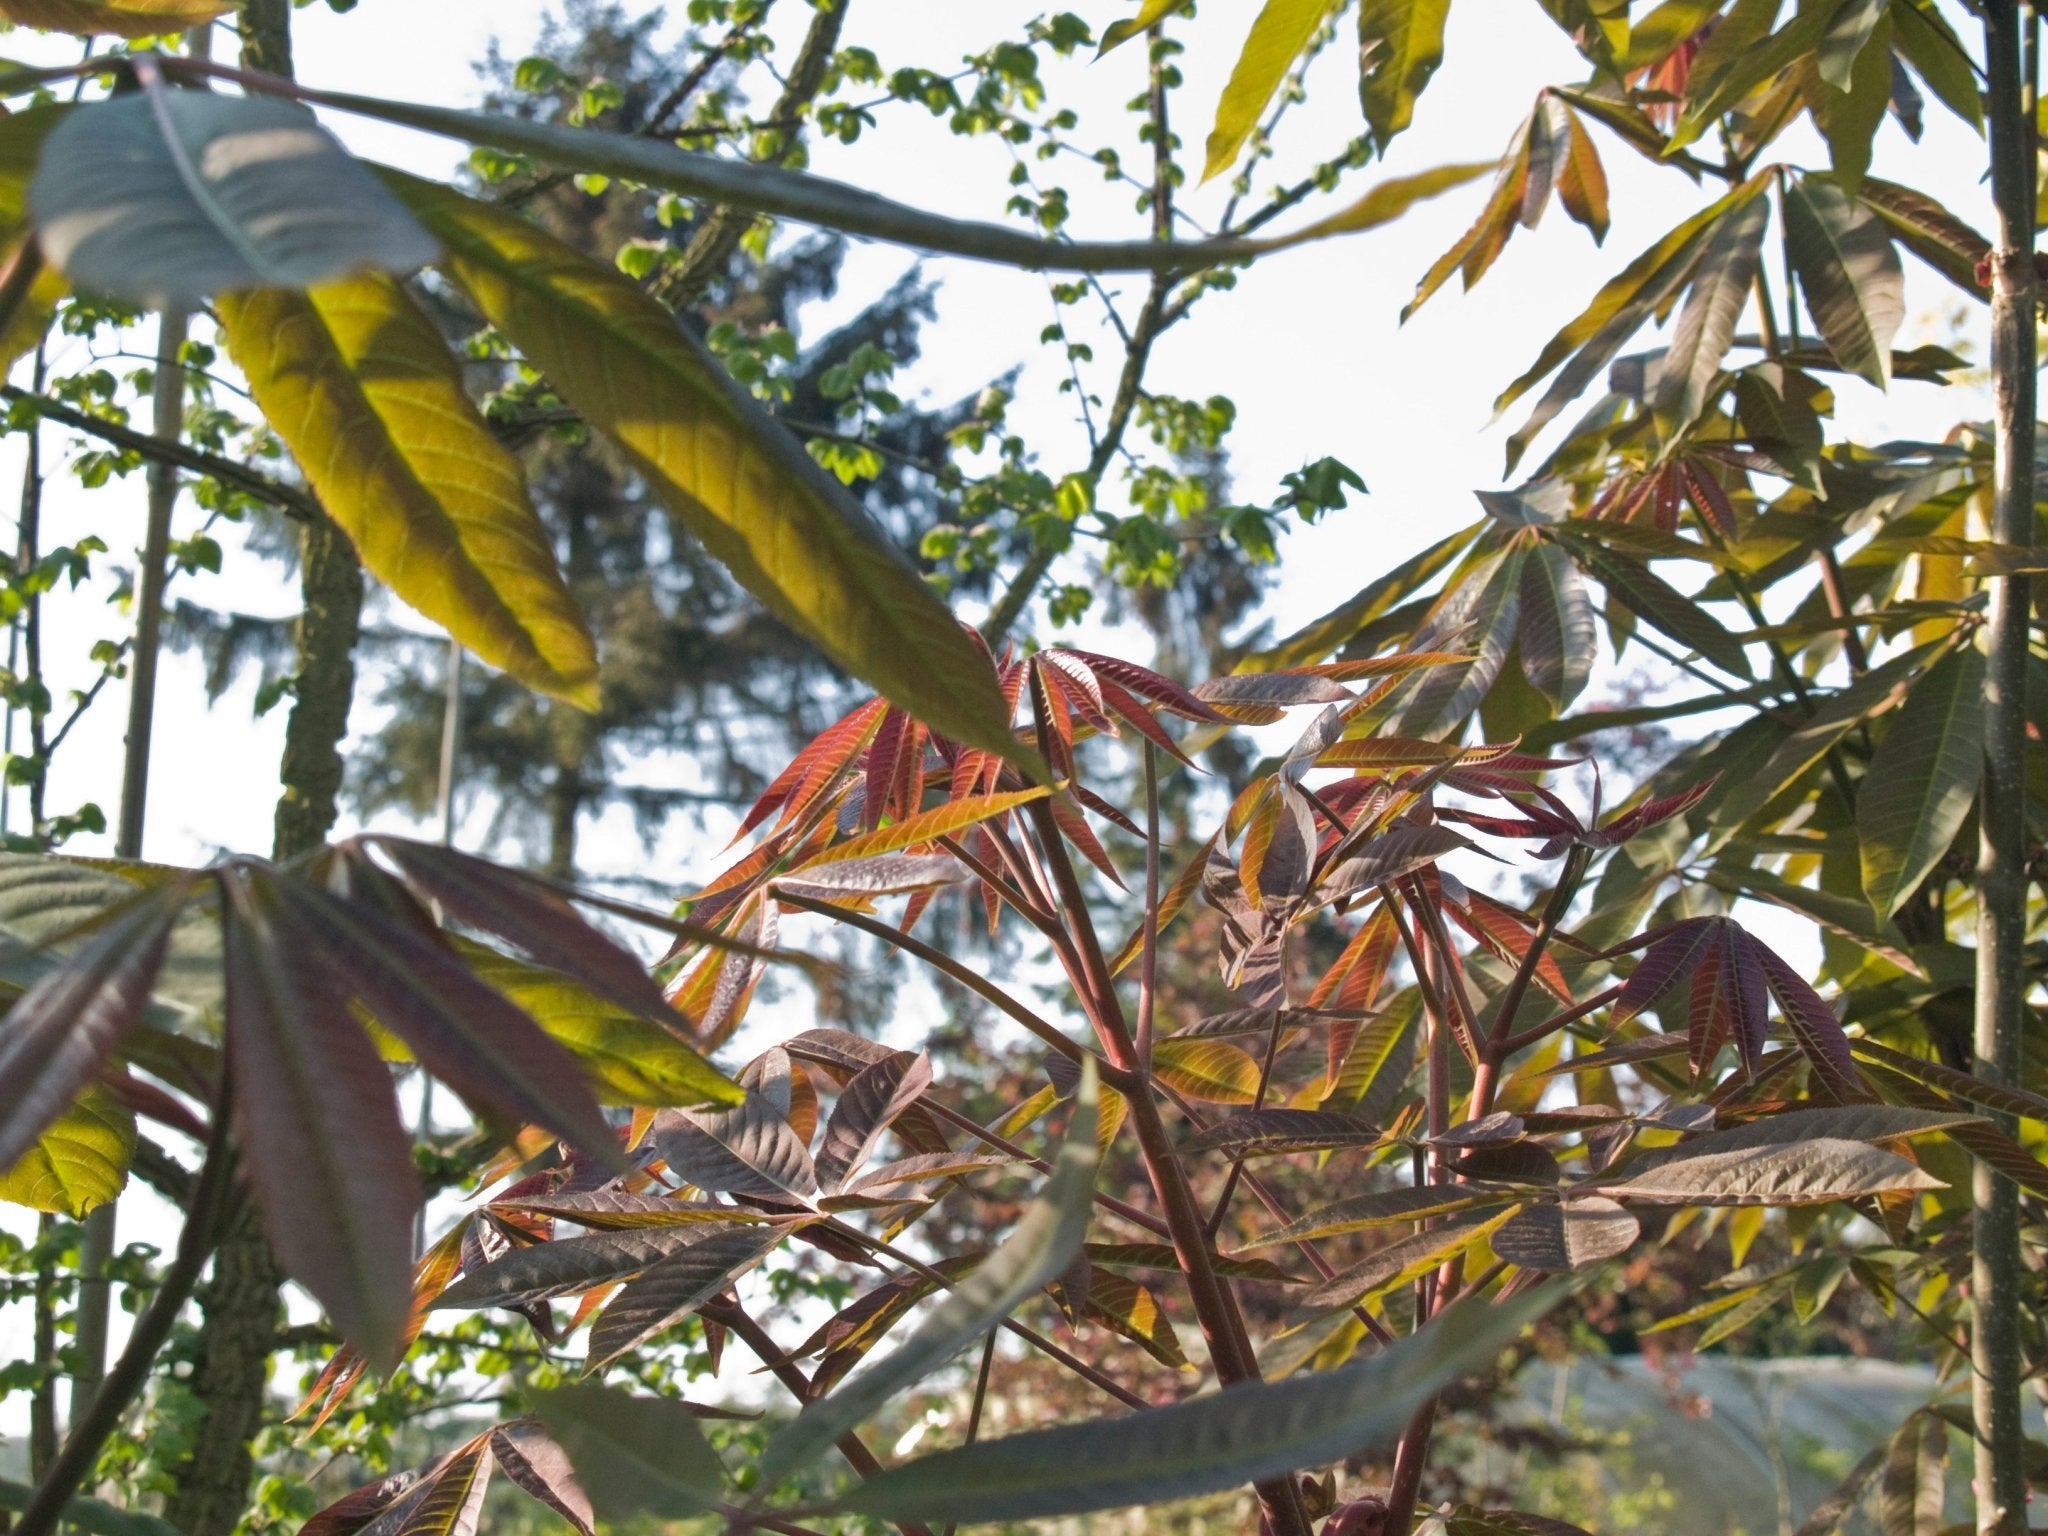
<point x="1309" y="345"/>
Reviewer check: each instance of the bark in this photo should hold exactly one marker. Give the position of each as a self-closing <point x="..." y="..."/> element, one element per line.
<point x="1997" y="1275"/>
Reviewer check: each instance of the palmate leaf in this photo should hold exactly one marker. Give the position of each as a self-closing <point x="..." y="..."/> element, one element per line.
<point x="1210" y="1070"/>
<point x="1922" y="782"/>
<point x="1574" y="1235"/>
<point x="790" y="532"/>
<point x="634" y="1455"/>
<point x="55" y="1038"/>
<point x="1249" y="1433"/>
<point x="566" y="1266"/>
<point x="1706" y="325"/>
<point x="533" y="1459"/>
<point x="167" y="197"/>
<point x="1849" y="272"/>
<point x="329" y="1158"/>
<point x="122" y="18"/>
<point x="747" y="1150"/>
<point x="1037" y="1251"/>
<point x="361" y="386"/>
<point x="868" y="1106"/>
<point x="1267" y="1132"/>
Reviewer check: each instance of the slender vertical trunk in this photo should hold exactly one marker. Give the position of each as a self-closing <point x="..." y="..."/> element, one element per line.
<point x="1996" y="1272"/>
<point x="239" y="1303"/>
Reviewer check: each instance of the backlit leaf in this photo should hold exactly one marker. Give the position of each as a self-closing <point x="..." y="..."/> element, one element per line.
<point x="790" y="532"/>
<point x="530" y="1456"/>
<point x="1706" y="325"/>
<point x="1400" y="45"/>
<point x="1280" y="32"/>
<point x="867" y="1107"/>
<point x="680" y="1282"/>
<point x="80" y="1160"/>
<point x="1209" y="1070"/>
<point x="1266" y="1132"/>
<point x="1570" y="1236"/>
<point x="748" y="1150"/>
<point x="122" y="18"/>
<point x="1810" y="1173"/>
<point x="1849" y="273"/>
<point x="1150" y="14"/>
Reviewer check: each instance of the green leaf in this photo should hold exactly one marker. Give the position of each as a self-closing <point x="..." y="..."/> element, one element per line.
<point x="1555" y="634"/>
<point x="1706" y="326"/>
<point x="79" y="1162"/>
<point x="1849" y="273"/>
<point x="633" y="1455"/>
<point x="1037" y="1251"/>
<point x="1281" y="31"/>
<point x="1150" y="14"/>
<point x="1249" y="1433"/>
<point x="1742" y="54"/>
<point x="1812" y="1172"/>
<point x="123" y="18"/>
<point x="1927" y="229"/>
<point x="1848" y="110"/>
<point x="1659" y="604"/>
<point x="789" y="532"/>
<point x="167" y="197"/>
<point x="1925" y="40"/>
<point x="358" y="382"/>
<point x="1400" y="45"/>
<point x="1920" y="786"/>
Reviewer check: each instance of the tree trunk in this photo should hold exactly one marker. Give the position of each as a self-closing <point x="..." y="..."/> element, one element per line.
<point x="240" y="1305"/>
<point x="1997" y="1275"/>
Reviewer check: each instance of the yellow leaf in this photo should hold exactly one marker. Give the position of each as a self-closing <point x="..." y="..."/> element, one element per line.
<point x="81" y="1161"/>
<point x="358" y="382"/>
<point x="1210" y="1070"/>
<point x="927" y="826"/>
<point x="1150" y="14"/>
<point x="790" y="533"/>
<point x="123" y="18"/>
<point x="1277" y="38"/>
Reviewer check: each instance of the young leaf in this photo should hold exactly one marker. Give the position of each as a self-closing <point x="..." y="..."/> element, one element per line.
<point x="750" y="1150"/>
<point x="1281" y="31"/>
<point x="318" y="1119"/>
<point x="1400" y="45"/>
<point x="55" y="1038"/>
<point x="1850" y="275"/>
<point x="867" y="1107"/>
<point x="1037" y="1251"/>
<point x="635" y="1455"/>
<point x="682" y="1281"/>
<point x="1249" y="1433"/>
<point x="790" y="532"/>
<point x="530" y="1456"/>
<point x="1921" y="784"/>
<point x="168" y="197"/>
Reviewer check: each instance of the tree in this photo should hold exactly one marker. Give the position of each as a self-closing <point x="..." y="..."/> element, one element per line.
<point x="1335" y="994"/>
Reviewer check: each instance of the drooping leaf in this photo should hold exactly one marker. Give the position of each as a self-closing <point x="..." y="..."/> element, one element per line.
<point x="1570" y="1236"/>
<point x="1400" y="45"/>
<point x="361" y="386"/>
<point x="1849" y="272"/>
<point x="1037" y="1251"/>
<point x="1922" y="782"/>
<point x="316" y="1113"/>
<point x="1706" y="325"/>
<point x="790" y="533"/>
<point x="1812" y="1172"/>
<point x="122" y="18"/>
<point x="1219" y="1441"/>
<point x="681" y="1281"/>
<point x="1279" y="33"/>
<point x="55" y="1038"/>
<point x="1556" y="628"/>
<point x="80" y="1161"/>
<point x="748" y="1150"/>
<point x="168" y="197"/>
<point x="1581" y="179"/>
<point x="1910" y="1492"/>
<point x="634" y="1455"/>
<point x="1404" y="1260"/>
<point x="1850" y="102"/>
<point x="533" y="1459"/>
<point x="867" y="1107"/>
